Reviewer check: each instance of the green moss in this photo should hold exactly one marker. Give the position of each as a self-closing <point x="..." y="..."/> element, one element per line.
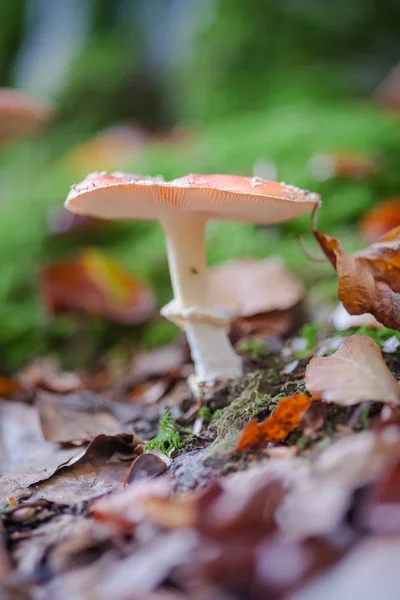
<point x="248" y="405"/>
<point x="168" y="438"/>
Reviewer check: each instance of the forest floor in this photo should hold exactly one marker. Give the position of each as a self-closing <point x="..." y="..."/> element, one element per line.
<point x="129" y="487"/>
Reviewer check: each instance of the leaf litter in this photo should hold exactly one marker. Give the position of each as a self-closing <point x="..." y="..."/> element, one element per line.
<point x="110" y="491"/>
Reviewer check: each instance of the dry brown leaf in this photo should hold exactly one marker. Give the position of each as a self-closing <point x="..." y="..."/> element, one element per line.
<point x="383" y="217"/>
<point x="98" y="469"/>
<point x="354" y="373"/>
<point x="125" y="509"/>
<point x="45" y="374"/>
<point x="96" y="284"/>
<point x="25" y="456"/>
<point x="244" y="288"/>
<point x="369" y="281"/>
<point x="75" y="418"/>
<point x="145" y="466"/>
<point x="286" y="417"/>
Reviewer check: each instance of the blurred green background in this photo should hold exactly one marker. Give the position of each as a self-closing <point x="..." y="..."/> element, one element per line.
<point x="254" y="88"/>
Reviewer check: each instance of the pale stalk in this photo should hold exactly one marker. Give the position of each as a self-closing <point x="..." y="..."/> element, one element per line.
<point x="192" y="307"/>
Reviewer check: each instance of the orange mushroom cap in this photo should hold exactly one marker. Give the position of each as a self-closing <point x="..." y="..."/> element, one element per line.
<point x="225" y="197"/>
<point x="20" y="114"/>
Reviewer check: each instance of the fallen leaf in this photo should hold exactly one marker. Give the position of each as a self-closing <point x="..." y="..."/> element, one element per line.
<point x="25" y="456"/>
<point x="5" y="563"/>
<point x="369" y="281"/>
<point x="287" y="416"/>
<point x="244" y="288"/>
<point x="75" y="418"/>
<point x="354" y="373"/>
<point x="175" y="513"/>
<point x="98" y="469"/>
<point x="380" y="511"/>
<point x="9" y="387"/>
<point x="343" y="164"/>
<point x="125" y="509"/>
<point x="146" y="466"/>
<point x="383" y="217"/>
<point x="128" y="577"/>
<point x="323" y="494"/>
<point x="45" y="374"/>
<point x="370" y="570"/>
<point x="96" y="284"/>
<point x="57" y="545"/>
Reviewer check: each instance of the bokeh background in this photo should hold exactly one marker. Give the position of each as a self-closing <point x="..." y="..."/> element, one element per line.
<point x="304" y="91"/>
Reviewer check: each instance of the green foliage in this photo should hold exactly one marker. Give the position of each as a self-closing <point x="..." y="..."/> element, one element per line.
<point x="287" y="133"/>
<point x="253" y="347"/>
<point x="380" y="336"/>
<point x="168" y="438"/>
<point x="309" y="333"/>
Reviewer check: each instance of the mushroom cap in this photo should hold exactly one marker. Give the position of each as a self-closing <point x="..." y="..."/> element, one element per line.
<point x="225" y="197"/>
<point x="20" y="114"/>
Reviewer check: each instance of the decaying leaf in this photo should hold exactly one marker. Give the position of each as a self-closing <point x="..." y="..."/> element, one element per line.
<point x="75" y="417"/>
<point x="369" y="281"/>
<point x="354" y="373"/>
<point x="98" y="469"/>
<point x="145" y="466"/>
<point x="25" y="456"/>
<point x="244" y="288"/>
<point x="96" y="284"/>
<point x="125" y="509"/>
<point x="45" y="374"/>
<point x="9" y="387"/>
<point x="383" y="217"/>
<point x="286" y="417"/>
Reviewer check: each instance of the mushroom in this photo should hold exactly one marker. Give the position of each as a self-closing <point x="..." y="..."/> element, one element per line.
<point x="20" y="115"/>
<point x="183" y="207"/>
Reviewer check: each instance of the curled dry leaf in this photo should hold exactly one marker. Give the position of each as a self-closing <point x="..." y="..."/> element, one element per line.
<point x="354" y="373"/>
<point x="286" y="417"/>
<point x="380" y="219"/>
<point x="96" y="284"/>
<point x="97" y="470"/>
<point x="369" y="281"/>
<point x="145" y="466"/>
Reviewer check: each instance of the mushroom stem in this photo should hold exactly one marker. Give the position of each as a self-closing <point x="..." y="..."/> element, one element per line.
<point x="192" y="307"/>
